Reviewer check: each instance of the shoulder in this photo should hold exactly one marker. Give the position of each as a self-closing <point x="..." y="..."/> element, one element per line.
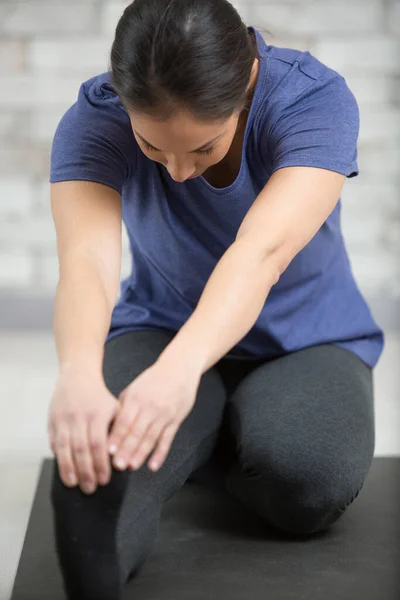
<point x="97" y="101"/>
<point x="295" y="79"/>
<point x="305" y="115"/>
<point x="98" y="91"/>
<point x="94" y="138"/>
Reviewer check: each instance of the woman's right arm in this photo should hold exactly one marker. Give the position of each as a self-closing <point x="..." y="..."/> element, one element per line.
<point x="88" y="224"/>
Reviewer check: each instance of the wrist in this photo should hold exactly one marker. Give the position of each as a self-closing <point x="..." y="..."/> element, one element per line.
<point x="173" y="359"/>
<point x="87" y="368"/>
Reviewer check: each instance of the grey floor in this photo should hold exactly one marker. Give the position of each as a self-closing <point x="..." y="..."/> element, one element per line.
<point x="28" y="371"/>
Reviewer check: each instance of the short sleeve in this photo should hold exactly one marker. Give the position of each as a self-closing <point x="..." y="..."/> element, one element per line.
<point x="319" y="128"/>
<point x="94" y="141"/>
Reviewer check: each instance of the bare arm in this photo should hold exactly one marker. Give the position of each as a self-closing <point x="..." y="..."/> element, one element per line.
<point x="87" y="218"/>
<point x="287" y="214"/>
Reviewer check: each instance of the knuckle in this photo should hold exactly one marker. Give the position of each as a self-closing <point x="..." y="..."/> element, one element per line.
<point x="60" y="443"/>
<point x="124" y="419"/>
<point x="85" y="474"/>
<point x="120" y="431"/>
<point x="80" y="448"/>
<point x="71" y="415"/>
<point x="91" y="414"/>
<point x="132" y="435"/>
<point x="97" y="444"/>
<point x="147" y="446"/>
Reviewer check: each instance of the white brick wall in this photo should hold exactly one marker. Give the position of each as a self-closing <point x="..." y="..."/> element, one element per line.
<point x="110" y="14"/>
<point x="44" y="124"/>
<point x="16" y="197"/>
<point x="394" y="18"/>
<point x="308" y="18"/>
<point x="34" y="92"/>
<point x="16" y="270"/>
<point x="375" y="89"/>
<point x="48" y="16"/>
<point x="380" y="161"/>
<point x="379" y="124"/>
<point x="32" y="232"/>
<point x="13" y="56"/>
<point x="368" y="54"/>
<point x="68" y="56"/>
<point x="49" y="47"/>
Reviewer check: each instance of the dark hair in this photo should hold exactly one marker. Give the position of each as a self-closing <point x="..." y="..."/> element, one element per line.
<point x="173" y="54"/>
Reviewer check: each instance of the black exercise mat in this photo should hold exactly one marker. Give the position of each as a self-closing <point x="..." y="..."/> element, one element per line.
<point x="210" y="546"/>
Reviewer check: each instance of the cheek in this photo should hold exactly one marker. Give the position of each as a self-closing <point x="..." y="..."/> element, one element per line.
<point x="218" y="155"/>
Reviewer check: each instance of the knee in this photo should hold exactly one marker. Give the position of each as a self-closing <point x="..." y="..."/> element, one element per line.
<point x="296" y="498"/>
<point x="300" y="517"/>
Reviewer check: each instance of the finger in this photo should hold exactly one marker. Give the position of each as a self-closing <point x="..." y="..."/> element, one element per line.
<point x="163" y="446"/>
<point x="122" y="425"/>
<point x="125" y="452"/>
<point x="82" y="456"/>
<point x="147" y="444"/>
<point x="97" y="429"/>
<point x="133" y="439"/>
<point x="62" y="450"/>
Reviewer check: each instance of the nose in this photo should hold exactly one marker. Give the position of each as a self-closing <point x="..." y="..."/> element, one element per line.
<point x="180" y="173"/>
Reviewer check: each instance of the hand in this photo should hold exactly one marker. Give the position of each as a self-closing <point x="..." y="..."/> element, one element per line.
<point x="80" y="414"/>
<point x="152" y="409"/>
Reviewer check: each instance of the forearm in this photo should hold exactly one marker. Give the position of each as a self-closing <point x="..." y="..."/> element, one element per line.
<point x="82" y="317"/>
<point x="228" y="308"/>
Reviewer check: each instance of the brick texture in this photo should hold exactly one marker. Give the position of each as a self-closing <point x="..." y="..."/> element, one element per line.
<point x="66" y="56"/>
<point x="394" y="17"/>
<point x="38" y="17"/>
<point x="13" y="56"/>
<point x="368" y="54"/>
<point x="16" y="270"/>
<point x="49" y="47"/>
<point x="16" y="198"/>
<point x="307" y="18"/>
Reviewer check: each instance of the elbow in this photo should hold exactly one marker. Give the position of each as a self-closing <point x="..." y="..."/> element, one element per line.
<point x="273" y="257"/>
<point x="276" y="263"/>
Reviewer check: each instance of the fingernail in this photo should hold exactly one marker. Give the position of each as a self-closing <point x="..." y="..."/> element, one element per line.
<point x="154" y="465"/>
<point x="135" y="463"/>
<point x="112" y="449"/>
<point x="103" y="479"/>
<point x="88" y="488"/>
<point x="72" y="479"/>
<point x="120" y="463"/>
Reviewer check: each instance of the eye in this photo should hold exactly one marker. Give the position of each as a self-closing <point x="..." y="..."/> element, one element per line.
<point x="207" y="152"/>
<point x="148" y="147"/>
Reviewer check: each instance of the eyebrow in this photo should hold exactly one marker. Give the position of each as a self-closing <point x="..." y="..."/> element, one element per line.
<point x="203" y="147"/>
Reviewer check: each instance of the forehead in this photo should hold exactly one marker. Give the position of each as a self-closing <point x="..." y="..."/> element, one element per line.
<point x="182" y="132"/>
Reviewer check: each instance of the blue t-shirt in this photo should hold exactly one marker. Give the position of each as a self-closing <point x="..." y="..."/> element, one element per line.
<point x="302" y="114"/>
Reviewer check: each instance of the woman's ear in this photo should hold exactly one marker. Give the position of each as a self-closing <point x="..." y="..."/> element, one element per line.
<point x="253" y="75"/>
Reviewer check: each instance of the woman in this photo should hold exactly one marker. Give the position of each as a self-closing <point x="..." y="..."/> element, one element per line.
<point x="240" y="337"/>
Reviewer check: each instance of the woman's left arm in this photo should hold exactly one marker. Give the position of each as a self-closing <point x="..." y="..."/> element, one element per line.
<point x="283" y="219"/>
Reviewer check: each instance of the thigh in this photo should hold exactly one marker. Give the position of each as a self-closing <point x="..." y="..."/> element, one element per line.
<point x="305" y="418"/>
<point x="127" y="356"/>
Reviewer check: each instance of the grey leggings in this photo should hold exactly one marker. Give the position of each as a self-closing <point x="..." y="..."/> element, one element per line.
<point x="292" y="438"/>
